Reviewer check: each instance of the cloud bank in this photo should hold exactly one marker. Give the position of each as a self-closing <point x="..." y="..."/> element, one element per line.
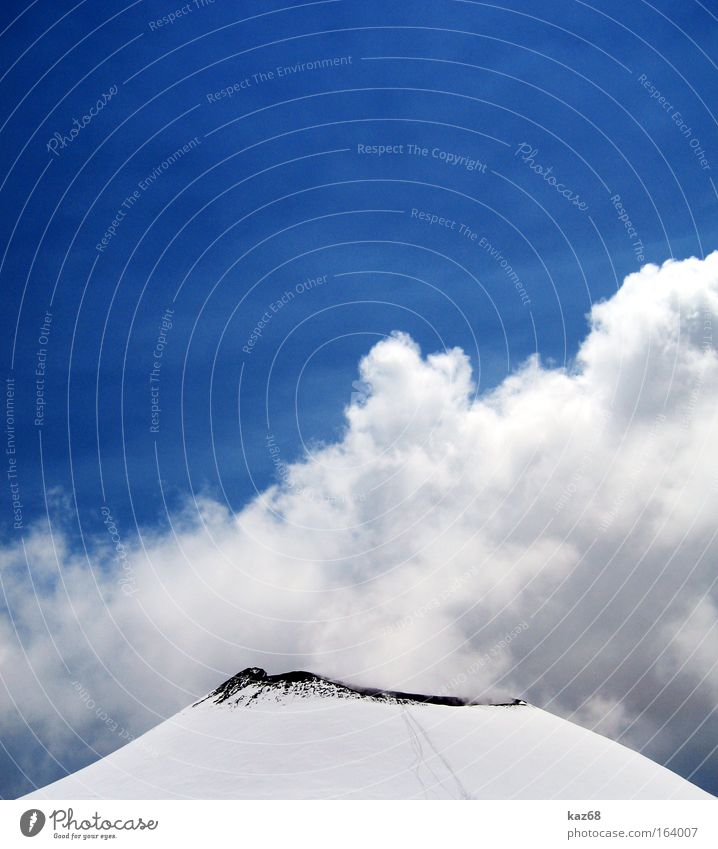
<point x="553" y="538"/>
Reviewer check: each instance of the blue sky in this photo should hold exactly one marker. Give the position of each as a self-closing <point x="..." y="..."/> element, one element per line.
<point x="517" y="92"/>
<point x="280" y="182"/>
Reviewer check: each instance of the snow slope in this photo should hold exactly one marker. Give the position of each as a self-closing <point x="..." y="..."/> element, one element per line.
<point x="299" y="736"/>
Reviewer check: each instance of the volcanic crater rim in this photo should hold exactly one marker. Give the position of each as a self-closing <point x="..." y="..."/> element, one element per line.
<point x="301" y="682"/>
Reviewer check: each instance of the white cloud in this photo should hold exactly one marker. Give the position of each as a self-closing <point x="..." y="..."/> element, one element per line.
<point x="571" y="509"/>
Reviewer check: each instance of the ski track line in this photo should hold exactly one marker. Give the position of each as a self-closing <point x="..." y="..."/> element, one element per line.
<point x="462" y="790"/>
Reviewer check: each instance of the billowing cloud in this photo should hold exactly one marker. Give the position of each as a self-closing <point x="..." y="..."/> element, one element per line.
<point x="553" y="538"/>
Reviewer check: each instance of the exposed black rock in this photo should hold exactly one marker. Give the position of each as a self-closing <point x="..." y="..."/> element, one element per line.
<point x="253" y="682"/>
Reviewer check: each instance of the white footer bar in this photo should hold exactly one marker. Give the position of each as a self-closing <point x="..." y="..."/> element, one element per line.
<point x="345" y="824"/>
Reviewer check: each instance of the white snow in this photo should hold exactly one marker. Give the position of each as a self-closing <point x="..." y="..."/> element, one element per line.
<point x="294" y="742"/>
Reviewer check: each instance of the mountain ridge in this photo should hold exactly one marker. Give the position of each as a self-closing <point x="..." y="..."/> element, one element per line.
<point x="302" y="683"/>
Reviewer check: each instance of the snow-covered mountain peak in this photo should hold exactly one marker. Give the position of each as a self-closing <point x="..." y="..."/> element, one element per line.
<point x="301" y="736"/>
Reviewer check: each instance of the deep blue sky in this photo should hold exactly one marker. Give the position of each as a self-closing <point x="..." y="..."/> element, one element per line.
<point x="276" y="191"/>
